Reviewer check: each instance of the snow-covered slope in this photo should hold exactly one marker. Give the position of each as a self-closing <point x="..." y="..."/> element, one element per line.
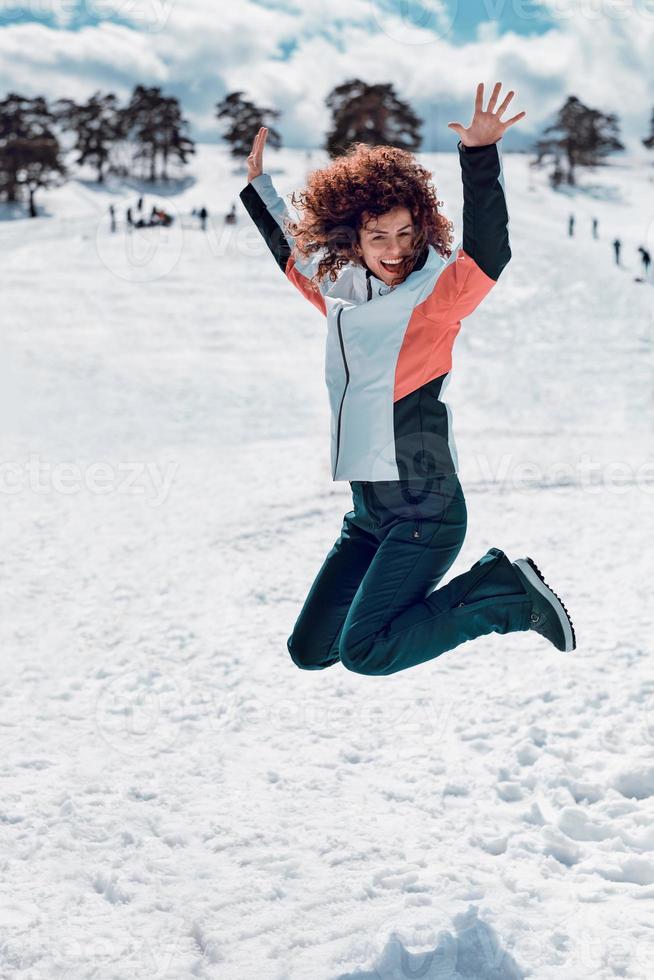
<point x="178" y="799"/>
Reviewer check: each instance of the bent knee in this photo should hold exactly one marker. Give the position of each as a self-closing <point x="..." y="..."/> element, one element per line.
<point x="304" y="655"/>
<point x="355" y="654"/>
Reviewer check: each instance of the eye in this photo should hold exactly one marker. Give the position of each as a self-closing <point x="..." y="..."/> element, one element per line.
<point x="378" y="237"/>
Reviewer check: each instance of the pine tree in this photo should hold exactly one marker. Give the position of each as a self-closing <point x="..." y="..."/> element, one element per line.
<point x="244" y="121"/>
<point x="97" y="124"/>
<point x="581" y="134"/>
<point x="14" y="129"/>
<point x="29" y="149"/>
<point x="156" y="124"/>
<point x="371" y="114"/>
<point x="649" y="140"/>
<point x="174" y="141"/>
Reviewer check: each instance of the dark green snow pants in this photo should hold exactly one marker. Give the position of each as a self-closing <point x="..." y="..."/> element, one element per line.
<point x="371" y="605"/>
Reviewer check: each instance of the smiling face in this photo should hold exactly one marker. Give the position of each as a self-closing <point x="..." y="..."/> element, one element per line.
<point x="385" y="239"/>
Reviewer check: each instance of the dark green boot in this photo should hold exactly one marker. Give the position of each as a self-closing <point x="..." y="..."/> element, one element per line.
<point x="549" y="617"/>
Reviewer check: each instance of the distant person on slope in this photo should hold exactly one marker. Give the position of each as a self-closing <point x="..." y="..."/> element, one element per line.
<point x="594" y="227"/>
<point x="646" y="259"/>
<point x="616" y="250"/>
<point x="571" y="225"/>
<point x="371" y="251"/>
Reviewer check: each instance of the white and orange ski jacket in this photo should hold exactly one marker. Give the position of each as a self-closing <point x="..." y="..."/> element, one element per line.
<point x="389" y="349"/>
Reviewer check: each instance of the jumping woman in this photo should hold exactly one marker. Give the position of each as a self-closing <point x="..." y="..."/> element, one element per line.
<point x="371" y="252"/>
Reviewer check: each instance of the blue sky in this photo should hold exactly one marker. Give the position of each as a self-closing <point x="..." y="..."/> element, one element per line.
<point x="288" y="54"/>
<point x="526" y="17"/>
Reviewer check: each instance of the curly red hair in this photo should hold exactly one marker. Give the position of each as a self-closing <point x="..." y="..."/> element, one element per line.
<point x="363" y="183"/>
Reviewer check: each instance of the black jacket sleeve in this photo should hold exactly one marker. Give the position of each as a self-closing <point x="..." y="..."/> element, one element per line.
<point x="485" y="215"/>
<point x="267" y="210"/>
<point x="269" y="213"/>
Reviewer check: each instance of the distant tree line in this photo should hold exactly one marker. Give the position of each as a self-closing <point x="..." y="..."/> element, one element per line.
<point x="579" y="136"/>
<point x="137" y="139"/>
<point x="143" y="137"/>
<point x="360" y="112"/>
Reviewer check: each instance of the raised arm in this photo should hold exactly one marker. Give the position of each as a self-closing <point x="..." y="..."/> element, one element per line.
<point x="485" y="214"/>
<point x="476" y="263"/>
<point x="269" y="213"/>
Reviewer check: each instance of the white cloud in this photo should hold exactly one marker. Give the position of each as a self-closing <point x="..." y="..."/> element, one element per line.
<point x="599" y="50"/>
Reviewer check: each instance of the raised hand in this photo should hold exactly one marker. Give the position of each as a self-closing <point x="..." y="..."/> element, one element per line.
<point x="486" y="126"/>
<point x="255" y="159"/>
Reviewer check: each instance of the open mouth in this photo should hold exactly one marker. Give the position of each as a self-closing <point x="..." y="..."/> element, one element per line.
<point x="392" y="266"/>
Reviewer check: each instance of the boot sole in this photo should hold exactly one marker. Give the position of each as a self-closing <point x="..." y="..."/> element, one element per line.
<point x="533" y="575"/>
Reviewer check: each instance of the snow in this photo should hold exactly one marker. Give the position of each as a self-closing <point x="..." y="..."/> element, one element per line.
<point x="178" y="799"/>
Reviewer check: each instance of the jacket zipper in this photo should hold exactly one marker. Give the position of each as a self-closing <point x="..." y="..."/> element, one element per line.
<point x="347" y="381"/>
